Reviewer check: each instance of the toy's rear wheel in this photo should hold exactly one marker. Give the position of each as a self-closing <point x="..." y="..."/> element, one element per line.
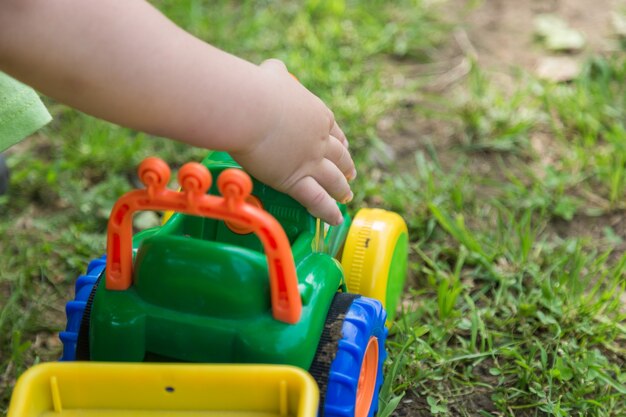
<point x="349" y="359"/>
<point x="75" y="338"/>
<point x="375" y="256"/>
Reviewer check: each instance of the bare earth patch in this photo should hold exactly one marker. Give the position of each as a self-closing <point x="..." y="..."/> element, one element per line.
<point x="502" y="30"/>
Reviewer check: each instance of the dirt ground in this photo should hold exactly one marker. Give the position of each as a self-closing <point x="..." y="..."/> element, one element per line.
<point x="501" y="31"/>
<point x="499" y="34"/>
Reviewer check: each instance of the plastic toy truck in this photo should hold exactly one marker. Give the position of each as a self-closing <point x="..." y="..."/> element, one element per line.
<point x="242" y="274"/>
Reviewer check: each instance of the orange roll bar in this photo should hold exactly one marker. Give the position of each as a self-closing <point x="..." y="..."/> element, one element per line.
<point x="235" y="186"/>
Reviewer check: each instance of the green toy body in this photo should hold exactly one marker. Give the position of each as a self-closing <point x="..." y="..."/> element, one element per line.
<point x="243" y="275"/>
<point x="201" y="291"/>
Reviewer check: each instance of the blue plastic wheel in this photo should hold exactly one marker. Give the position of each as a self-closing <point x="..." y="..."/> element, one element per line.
<point x="75" y="309"/>
<point x="355" y="376"/>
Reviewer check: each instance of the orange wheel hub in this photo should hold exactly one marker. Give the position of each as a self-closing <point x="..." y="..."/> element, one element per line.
<point x="367" y="379"/>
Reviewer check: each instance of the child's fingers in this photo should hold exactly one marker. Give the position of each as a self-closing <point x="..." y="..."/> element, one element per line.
<point x="338" y="133"/>
<point x="338" y="154"/>
<point x="311" y="195"/>
<point x="333" y="181"/>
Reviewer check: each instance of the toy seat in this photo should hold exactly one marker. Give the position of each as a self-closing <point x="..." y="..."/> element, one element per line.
<point x="202" y="277"/>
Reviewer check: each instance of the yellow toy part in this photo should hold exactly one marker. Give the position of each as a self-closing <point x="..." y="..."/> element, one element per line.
<point x="99" y="389"/>
<point x="169" y="213"/>
<point x="375" y="256"/>
<point x="166" y="216"/>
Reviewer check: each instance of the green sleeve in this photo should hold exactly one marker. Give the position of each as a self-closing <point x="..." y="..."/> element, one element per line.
<point x="21" y="111"/>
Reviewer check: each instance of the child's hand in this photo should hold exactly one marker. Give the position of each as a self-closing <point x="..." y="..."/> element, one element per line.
<point x="97" y="59"/>
<point x="304" y="153"/>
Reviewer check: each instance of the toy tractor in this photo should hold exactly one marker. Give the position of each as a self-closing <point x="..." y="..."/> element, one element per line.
<point x="242" y="274"/>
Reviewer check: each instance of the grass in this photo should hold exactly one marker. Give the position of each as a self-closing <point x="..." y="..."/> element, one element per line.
<point x="515" y="303"/>
<point x="519" y="303"/>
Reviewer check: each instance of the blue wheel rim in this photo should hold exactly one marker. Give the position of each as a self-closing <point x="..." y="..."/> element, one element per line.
<point x="364" y="319"/>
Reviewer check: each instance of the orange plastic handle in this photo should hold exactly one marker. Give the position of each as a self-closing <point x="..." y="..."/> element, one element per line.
<point x="195" y="179"/>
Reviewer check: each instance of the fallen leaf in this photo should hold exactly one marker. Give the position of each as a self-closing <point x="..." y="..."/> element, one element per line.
<point x="146" y="220"/>
<point x="557" y="35"/>
<point x="545" y="24"/>
<point x="618" y="21"/>
<point x="558" y="69"/>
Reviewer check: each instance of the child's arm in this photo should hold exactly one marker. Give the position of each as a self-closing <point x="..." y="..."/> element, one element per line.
<point x="123" y="61"/>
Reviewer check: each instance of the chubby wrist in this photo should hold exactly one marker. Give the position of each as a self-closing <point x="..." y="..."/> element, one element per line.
<point x="262" y="110"/>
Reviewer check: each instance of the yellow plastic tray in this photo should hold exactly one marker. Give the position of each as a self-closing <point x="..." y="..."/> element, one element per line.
<point x="113" y="389"/>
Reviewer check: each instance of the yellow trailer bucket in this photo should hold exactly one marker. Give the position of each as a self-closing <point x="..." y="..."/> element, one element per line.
<point x="120" y="389"/>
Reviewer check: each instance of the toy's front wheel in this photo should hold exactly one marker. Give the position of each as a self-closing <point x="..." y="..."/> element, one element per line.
<point x="375" y="256"/>
<point x="349" y="359"/>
